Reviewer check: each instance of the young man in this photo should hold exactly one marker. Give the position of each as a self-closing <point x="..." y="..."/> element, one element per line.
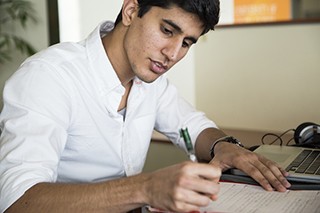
<point x="78" y="118"/>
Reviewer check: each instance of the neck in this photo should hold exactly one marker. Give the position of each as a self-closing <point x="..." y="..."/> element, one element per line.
<point x="113" y="45"/>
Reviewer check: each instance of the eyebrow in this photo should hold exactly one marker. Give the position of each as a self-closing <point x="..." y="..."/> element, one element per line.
<point x="176" y="27"/>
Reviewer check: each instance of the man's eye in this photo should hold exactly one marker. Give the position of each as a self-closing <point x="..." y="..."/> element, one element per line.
<point x="185" y="44"/>
<point x="166" y="31"/>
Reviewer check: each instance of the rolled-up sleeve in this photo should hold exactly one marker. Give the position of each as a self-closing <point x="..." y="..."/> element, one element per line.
<point x="173" y="112"/>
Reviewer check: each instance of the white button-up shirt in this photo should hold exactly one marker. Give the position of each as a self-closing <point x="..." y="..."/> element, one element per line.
<point x="60" y="121"/>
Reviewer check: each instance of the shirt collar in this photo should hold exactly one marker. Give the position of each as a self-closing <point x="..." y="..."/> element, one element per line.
<point x="103" y="72"/>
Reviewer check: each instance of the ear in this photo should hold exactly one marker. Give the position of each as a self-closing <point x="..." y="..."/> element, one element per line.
<point x="129" y="11"/>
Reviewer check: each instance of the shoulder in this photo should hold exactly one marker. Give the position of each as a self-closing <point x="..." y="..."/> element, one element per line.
<point x="59" y="54"/>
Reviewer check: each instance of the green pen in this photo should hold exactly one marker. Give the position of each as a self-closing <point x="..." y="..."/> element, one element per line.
<point x="187" y="141"/>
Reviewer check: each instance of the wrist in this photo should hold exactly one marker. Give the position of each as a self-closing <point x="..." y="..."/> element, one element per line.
<point x="228" y="139"/>
<point x="146" y="188"/>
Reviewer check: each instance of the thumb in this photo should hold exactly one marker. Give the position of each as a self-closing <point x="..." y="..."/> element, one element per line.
<point x="214" y="162"/>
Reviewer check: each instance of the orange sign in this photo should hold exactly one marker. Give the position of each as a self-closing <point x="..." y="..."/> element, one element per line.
<point x="253" y="11"/>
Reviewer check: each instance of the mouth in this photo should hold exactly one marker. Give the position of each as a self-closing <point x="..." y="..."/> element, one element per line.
<point x="158" y="67"/>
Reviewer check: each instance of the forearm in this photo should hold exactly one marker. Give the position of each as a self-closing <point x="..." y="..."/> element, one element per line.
<point x="205" y="141"/>
<point x="184" y="187"/>
<point x="114" y="196"/>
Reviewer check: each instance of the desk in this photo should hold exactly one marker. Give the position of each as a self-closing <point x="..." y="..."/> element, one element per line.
<point x="248" y="138"/>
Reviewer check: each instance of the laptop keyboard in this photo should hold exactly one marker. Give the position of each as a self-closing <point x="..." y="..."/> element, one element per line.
<point x="307" y="162"/>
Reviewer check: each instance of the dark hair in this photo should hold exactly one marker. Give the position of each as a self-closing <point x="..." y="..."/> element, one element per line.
<point x="207" y="10"/>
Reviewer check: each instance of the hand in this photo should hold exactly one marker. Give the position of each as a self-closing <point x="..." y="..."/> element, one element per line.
<point x="264" y="171"/>
<point x="184" y="187"/>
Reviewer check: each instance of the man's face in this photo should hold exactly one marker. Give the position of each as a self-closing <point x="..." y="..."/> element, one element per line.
<point x="158" y="40"/>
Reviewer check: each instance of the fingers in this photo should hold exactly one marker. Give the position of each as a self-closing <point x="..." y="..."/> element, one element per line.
<point x="209" y="187"/>
<point x="265" y="172"/>
<point x="185" y="199"/>
<point x="268" y="174"/>
<point x="197" y="188"/>
<point x="188" y="187"/>
<point x="202" y="178"/>
<point x="207" y="171"/>
<point x="275" y="175"/>
<point x="280" y="174"/>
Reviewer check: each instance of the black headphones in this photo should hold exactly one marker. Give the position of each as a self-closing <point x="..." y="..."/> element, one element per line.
<point x="308" y="135"/>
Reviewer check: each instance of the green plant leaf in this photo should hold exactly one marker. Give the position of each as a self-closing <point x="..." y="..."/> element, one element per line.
<point x="11" y="12"/>
<point x="4" y="56"/>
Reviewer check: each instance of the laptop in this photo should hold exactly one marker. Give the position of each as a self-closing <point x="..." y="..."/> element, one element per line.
<point x="303" y="164"/>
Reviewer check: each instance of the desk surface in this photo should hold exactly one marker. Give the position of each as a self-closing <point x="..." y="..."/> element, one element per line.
<point x="247" y="137"/>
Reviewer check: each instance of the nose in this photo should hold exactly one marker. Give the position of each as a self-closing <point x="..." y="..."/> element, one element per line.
<point x="172" y="50"/>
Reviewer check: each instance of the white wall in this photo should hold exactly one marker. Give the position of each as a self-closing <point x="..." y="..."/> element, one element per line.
<point x="36" y="34"/>
<point x="78" y="18"/>
<point x="260" y="77"/>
